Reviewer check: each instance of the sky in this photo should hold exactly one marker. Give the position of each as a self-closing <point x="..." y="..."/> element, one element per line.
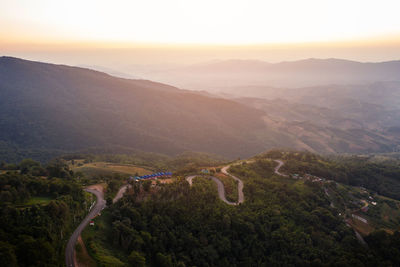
<point x="174" y="31"/>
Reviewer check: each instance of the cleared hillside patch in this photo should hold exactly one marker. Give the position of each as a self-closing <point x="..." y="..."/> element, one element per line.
<point x="112" y="167"/>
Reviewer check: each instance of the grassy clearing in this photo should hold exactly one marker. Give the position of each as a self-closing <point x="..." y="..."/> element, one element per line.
<point x="362" y="228"/>
<point x="94" y="172"/>
<point x="112" y="168"/>
<point x="38" y="200"/>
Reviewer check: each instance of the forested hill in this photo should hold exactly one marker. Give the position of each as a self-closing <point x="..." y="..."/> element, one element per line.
<point x="47" y="110"/>
<point x="55" y="107"/>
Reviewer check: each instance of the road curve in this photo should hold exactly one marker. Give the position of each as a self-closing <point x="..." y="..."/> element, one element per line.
<point x="224" y="170"/>
<point x="220" y="186"/>
<point x="121" y="192"/>
<point x="70" y="249"/>
<point x="280" y="164"/>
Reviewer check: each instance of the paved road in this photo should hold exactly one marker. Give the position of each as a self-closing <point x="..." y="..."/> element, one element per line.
<point x="224" y="170"/>
<point x="280" y="164"/>
<point x="359" y="237"/>
<point x="70" y="249"/>
<point x="121" y="192"/>
<point x="221" y="188"/>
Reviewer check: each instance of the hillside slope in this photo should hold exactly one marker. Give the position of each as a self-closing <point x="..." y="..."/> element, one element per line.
<point x="52" y="109"/>
<point x="50" y="106"/>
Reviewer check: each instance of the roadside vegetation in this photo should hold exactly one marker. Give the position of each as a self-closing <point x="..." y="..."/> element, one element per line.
<point x="230" y="185"/>
<point x="282" y="221"/>
<point x="295" y="220"/>
<point x="82" y="256"/>
<point x="39" y="208"/>
<point x="382" y="177"/>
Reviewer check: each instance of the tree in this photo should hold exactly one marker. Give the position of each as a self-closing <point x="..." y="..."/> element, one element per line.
<point x="137" y="259"/>
<point x="6" y="196"/>
<point x="34" y="235"/>
<point x="7" y="255"/>
<point x="11" y="167"/>
<point x="33" y="252"/>
<point x="26" y="164"/>
<point x="109" y="201"/>
<point x="112" y="185"/>
<point x="3" y="165"/>
<point x="163" y="260"/>
<point x="58" y="168"/>
<point x="136" y="188"/>
<point x="146" y="185"/>
<point x="38" y="171"/>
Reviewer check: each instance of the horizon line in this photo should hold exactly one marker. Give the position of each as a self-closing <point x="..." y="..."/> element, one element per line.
<point x="221" y="60"/>
<point x="387" y="40"/>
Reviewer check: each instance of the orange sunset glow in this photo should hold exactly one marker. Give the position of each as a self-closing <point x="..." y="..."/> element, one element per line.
<point x="199" y="22"/>
<point x="204" y="29"/>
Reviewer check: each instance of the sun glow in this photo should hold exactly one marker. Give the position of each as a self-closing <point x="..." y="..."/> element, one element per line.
<point x="199" y="22"/>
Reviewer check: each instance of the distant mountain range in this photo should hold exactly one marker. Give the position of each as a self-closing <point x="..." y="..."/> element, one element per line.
<point x="217" y="76"/>
<point x="47" y="108"/>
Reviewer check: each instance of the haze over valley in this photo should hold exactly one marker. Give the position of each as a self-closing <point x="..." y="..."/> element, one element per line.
<point x="61" y="108"/>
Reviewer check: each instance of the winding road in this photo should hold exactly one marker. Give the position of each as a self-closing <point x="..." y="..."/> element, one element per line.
<point x="221" y="188"/>
<point x="224" y="170"/>
<point x="358" y="235"/>
<point x="220" y="185"/>
<point x="280" y="164"/>
<point x="101" y="203"/>
<point x="70" y="249"/>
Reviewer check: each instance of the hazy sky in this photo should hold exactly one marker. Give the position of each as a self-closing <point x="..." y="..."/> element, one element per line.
<point x="159" y="31"/>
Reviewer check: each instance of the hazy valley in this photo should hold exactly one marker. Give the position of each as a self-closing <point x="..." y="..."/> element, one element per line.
<point x="54" y="109"/>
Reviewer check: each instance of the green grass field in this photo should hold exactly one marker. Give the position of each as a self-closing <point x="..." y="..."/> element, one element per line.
<point x="111" y="168"/>
<point x="37" y="200"/>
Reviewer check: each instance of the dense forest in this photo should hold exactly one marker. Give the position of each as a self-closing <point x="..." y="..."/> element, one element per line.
<point x="39" y="207"/>
<point x="280" y="223"/>
<point x="283" y="221"/>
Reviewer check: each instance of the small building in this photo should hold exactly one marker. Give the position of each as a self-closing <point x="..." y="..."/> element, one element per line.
<point x="206" y="171"/>
<point x="91" y="223"/>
